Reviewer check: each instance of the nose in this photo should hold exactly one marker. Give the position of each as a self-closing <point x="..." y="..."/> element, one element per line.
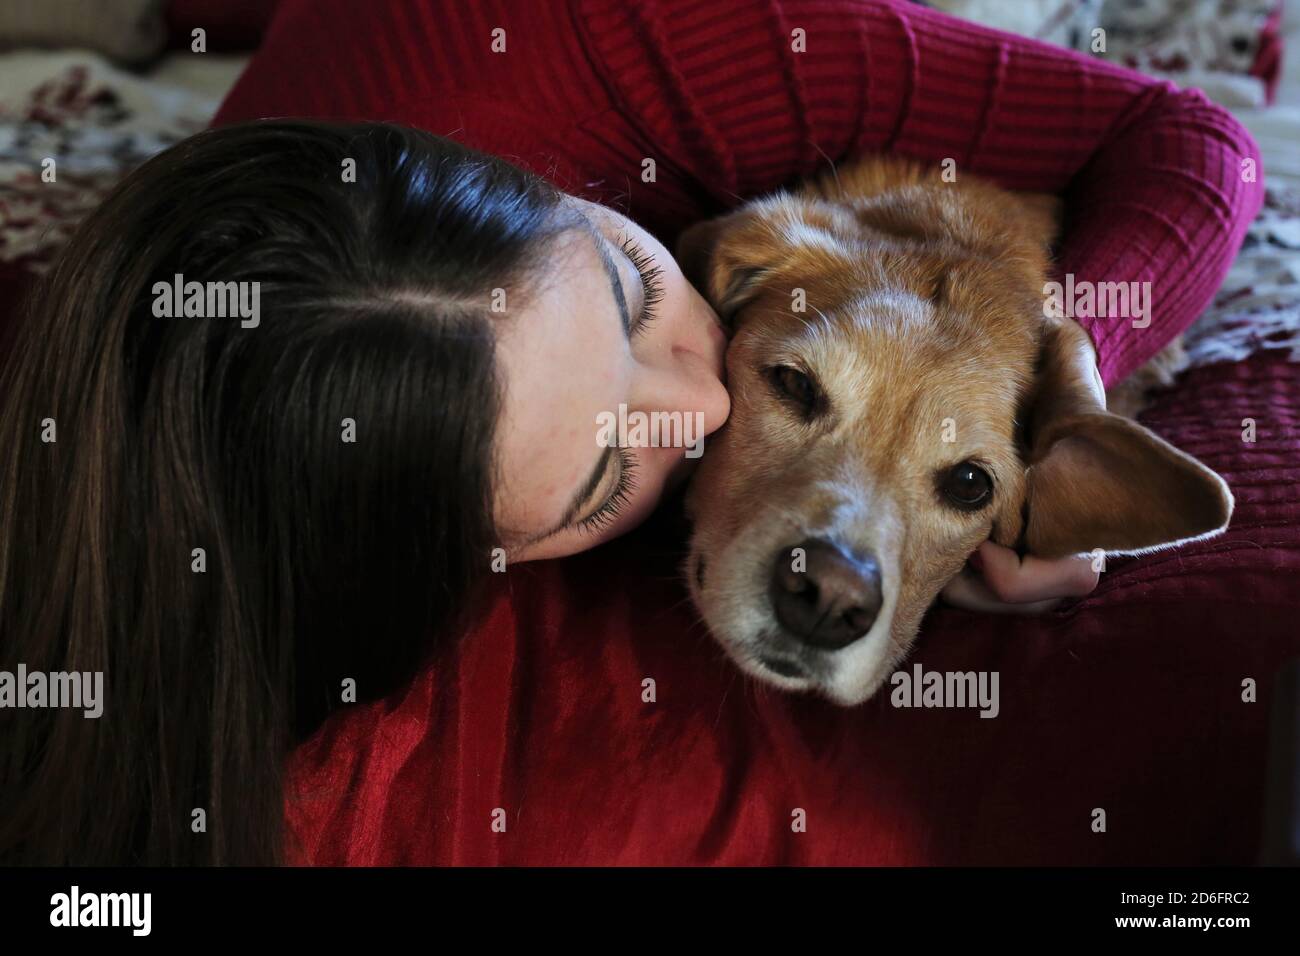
<point x="682" y="365"/>
<point x="683" y="382"/>
<point x="830" y="598"/>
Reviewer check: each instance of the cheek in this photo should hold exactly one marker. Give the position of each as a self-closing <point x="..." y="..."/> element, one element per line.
<point x="739" y="476"/>
<point x="1009" y="521"/>
<point x="937" y="546"/>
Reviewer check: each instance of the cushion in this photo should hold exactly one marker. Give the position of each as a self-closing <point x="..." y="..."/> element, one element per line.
<point x="130" y="31"/>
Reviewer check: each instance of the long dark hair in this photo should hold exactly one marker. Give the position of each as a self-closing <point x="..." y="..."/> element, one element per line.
<point x="326" y="559"/>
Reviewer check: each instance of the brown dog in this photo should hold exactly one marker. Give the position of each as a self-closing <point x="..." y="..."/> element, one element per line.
<point x="900" y="394"/>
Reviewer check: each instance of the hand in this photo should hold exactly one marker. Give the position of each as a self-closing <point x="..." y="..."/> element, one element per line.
<point x="1001" y="582"/>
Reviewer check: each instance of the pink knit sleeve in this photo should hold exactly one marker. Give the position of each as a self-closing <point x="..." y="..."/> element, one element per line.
<point x="743" y="96"/>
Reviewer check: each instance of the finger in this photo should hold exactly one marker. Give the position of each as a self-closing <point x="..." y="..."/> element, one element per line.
<point x="968" y="591"/>
<point x="1016" y="580"/>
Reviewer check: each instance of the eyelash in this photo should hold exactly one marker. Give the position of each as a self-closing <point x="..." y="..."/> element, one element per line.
<point x="651" y="280"/>
<point x="652" y="283"/>
<point x="601" y="519"/>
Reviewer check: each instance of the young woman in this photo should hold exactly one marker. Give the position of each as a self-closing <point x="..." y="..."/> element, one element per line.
<point x="226" y="520"/>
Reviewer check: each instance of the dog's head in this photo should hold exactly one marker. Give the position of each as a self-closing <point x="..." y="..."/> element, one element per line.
<point x="899" y="396"/>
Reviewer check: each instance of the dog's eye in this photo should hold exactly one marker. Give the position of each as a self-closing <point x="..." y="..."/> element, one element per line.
<point x="967" y="486"/>
<point x="796" y="387"/>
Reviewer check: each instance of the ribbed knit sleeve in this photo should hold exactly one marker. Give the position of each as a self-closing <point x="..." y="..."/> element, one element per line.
<point x="513" y="79"/>
<point x="715" y="93"/>
<point x="742" y="96"/>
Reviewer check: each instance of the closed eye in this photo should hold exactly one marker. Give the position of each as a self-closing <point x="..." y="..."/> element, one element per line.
<point x="608" y="512"/>
<point x="797" y="389"/>
<point x="652" y="284"/>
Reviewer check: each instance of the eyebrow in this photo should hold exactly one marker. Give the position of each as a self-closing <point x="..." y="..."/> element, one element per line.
<point x="603" y="246"/>
<point x="596" y="478"/>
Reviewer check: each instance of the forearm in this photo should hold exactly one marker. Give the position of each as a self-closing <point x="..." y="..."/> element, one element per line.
<point x="1164" y="207"/>
<point x="753" y="94"/>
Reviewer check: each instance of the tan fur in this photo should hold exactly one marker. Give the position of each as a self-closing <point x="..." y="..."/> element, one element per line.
<point x="925" y="316"/>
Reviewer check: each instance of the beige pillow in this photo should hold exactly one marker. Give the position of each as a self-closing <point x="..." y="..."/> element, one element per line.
<point x="129" y="31"/>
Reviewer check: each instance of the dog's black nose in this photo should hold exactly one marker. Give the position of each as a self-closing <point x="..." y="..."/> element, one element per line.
<point x="828" y="599"/>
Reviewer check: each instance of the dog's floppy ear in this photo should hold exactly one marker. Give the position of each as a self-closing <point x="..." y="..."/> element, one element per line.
<point x="1099" y="481"/>
<point x="725" y="258"/>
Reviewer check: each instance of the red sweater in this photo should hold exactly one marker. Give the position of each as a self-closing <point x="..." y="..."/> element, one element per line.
<point x="540" y="721"/>
<point x="715" y="93"/>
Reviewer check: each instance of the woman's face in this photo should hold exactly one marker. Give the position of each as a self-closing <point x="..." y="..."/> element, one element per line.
<point x="599" y="334"/>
